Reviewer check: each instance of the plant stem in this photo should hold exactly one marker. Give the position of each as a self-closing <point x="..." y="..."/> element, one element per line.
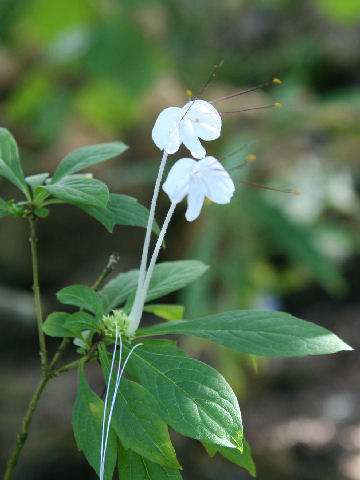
<point x="113" y="259"/>
<point x="36" y="290"/>
<point x="22" y="435"/>
<point x="48" y="371"/>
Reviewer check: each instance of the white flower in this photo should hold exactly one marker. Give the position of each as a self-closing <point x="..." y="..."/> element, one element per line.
<point x="197" y="180"/>
<point x="174" y="126"/>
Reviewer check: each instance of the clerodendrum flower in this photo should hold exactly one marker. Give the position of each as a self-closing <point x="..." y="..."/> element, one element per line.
<point x="174" y="126"/>
<point x="198" y="180"/>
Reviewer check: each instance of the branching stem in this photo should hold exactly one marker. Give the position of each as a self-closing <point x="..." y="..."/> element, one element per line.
<point x="48" y="371"/>
<point x="36" y="291"/>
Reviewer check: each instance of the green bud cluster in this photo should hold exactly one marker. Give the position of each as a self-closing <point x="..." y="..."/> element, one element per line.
<point x="117" y="318"/>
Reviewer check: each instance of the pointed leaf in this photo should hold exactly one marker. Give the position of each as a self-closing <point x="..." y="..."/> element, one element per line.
<point x="86" y="156"/>
<point x="167" y="277"/>
<point x="78" y="321"/>
<point x="79" y="191"/>
<point x="243" y="459"/>
<point x="194" y="398"/>
<point x="259" y="332"/>
<point x="120" y="210"/>
<point x="36" y="180"/>
<point x="169" y="312"/>
<point x="63" y="324"/>
<point x="134" y="467"/>
<point x="137" y="422"/>
<point x="10" y="166"/>
<point x="55" y="325"/>
<point x="87" y="423"/>
<point x="81" y="296"/>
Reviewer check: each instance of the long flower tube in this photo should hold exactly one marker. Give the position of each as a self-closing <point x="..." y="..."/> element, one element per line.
<point x="145" y="251"/>
<point x="138" y="306"/>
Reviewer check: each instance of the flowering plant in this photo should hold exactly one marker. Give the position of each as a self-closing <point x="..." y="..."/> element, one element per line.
<point x="163" y="385"/>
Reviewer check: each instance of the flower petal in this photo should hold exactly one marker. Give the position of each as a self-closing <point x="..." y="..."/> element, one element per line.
<point x="190" y="139"/>
<point x="196" y="199"/>
<point x="205" y="119"/>
<point x="177" y="183"/>
<point x="166" y="130"/>
<point x="218" y="184"/>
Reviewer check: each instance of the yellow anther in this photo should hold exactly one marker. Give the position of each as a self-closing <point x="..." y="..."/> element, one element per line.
<point x="277" y="104"/>
<point x="197" y="120"/>
<point x="277" y="81"/>
<point x="296" y="192"/>
<point x="251" y="158"/>
<point x="207" y="201"/>
<point x="188" y="92"/>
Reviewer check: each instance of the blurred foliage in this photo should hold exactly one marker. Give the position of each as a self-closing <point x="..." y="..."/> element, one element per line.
<point x="75" y="72"/>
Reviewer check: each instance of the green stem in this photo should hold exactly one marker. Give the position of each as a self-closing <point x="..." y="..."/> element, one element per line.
<point x="48" y="371"/>
<point x="22" y="435"/>
<point x="114" y="258"/>
<point x="59" y="352"/>
<point x="36" y="290"/>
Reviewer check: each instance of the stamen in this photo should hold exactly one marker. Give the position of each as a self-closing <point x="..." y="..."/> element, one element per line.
<point x="188" y="93"/>
<point x="209" y="80"/>
<point x="250" y="158"/>
<point x="237" y="150"/>
<point x="279" y="105"/>
<point x="265" y="187"/>
<point x="248" y="90"/>
<point x="204" y="87"/>
<point x="296" y="192"/>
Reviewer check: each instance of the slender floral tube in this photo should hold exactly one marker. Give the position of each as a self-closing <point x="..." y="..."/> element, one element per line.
<point x="136" y="311"/>
<point x="145" y="251"/>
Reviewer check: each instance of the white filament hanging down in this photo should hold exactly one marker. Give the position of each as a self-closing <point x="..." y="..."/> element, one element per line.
<point x="120" y="371"/>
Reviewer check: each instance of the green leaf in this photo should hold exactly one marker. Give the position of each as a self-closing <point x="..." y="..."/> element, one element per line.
<point x="87" y="423"/>
<point x="243" y="459"/>
<point x="10" y="166"/>
<point x="62" y="324"/>
<point x="78" y="191"/>
<point x="87" y="156"/>
<point x="259" y="332"/>
<point x="42" y="212"/>
<point x="169" y="312"/>
<point x="78" y="321"/>
<point x="117" y="290"/>
<point x="4" y="208"/>
<point x="81" y="296"/>
<point x="135" y="467"/>
<point x="120" y="210"/>
<point x="171" y="276"/>
<point x="36" y="180"/>
<point x="137" y="422"/>
<point x="194" y="398"/>
<point x="167" y="277"/>
<point x="55" y="325"/>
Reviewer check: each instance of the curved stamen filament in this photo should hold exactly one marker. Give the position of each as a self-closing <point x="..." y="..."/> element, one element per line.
<point x="248" y="90"/>
<point x="278" y="105"/>
<point x="265" y="187"/>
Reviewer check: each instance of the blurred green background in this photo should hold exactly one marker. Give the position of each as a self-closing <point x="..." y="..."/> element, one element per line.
<point x="76" y="72"/>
